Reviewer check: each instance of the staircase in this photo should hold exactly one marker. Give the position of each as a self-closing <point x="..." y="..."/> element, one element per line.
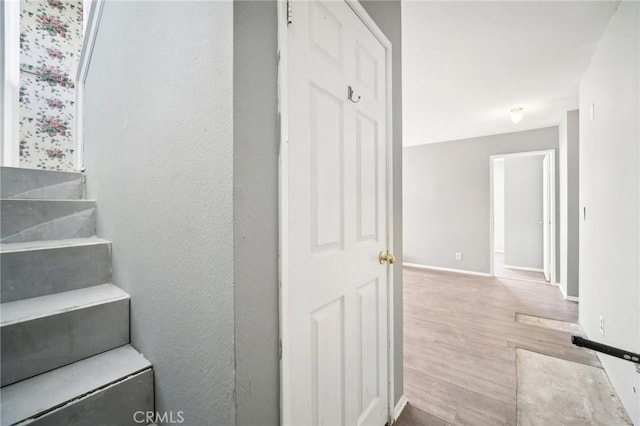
<point x="64" y="328"/>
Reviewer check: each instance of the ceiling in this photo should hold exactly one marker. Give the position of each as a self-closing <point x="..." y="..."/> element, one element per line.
<point x="466" y="64"/>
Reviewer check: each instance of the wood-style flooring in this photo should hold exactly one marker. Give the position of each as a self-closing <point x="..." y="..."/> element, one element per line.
<point x="460" y="337"/>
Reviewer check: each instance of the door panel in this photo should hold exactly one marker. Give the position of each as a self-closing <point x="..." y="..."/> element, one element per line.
<point x="326" y="34"/>
<point x="367" y="70"/>
<point x="327" y="366"/>
<point x="367" y="177"/>
<point x="336" y="298"/>
<point x="369" y="380"/>
<point x="327" y="170"/>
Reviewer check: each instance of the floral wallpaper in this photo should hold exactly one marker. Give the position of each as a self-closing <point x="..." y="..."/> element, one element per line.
<point x="50" y="44"/>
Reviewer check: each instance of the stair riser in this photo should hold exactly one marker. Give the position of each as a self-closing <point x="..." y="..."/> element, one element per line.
<point x="30" y="183"/>
<point x="115" y="405"/>
<point x="33" y="220"/>
<point x="32" y="273"/>
<point x="51" y="393"/>
<point x="39" y="345"/>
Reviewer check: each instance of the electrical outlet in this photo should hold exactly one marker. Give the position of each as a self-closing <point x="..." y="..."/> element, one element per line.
<point x="458" y="256"/>
<point x="601" y="325"/>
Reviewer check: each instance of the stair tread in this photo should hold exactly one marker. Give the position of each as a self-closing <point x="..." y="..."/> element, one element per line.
<point x="38" y="307"/>
<point x="47" y="391"/>
<point x="27" y="170"/>
<point x="50" y="244"/>
<point x="31" y="200"/>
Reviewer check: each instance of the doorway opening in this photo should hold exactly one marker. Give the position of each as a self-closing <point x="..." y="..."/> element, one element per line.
<point x="523" y="216"/>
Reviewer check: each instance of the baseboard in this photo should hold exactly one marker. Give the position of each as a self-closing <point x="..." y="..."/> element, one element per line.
<point x="402" y="402"/>
<point x="569" y="298"/>
<point x="438" y="268"/>
<point x="523" y="268"/>
<point x="563" y="292"/>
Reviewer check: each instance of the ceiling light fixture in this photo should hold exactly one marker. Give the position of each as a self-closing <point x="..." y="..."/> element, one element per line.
<point x="516" y="114"/>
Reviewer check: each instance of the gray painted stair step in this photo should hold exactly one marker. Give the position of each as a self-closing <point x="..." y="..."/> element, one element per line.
<point x="34" y="183"/>
<point x="47" y="332"/>
<point x="78" y="389"/>
<point x="39" y="268"/>
<point x="31" y="220"/>
<point x="119" y="404"/>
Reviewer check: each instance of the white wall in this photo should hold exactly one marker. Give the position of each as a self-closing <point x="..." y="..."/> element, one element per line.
<point x="523" y="210"/>
<point x="446" y="197"/>
<point x="610" y="191"/>
<point x="498" y="205"/>
<point x="568" y="152"/>
<point x="159" y="158"/>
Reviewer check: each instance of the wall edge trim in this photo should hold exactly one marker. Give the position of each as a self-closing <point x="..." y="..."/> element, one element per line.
<point x="400" y="406"/>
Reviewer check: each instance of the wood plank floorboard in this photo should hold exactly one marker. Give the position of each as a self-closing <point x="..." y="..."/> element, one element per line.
<point x="460" y="340"/>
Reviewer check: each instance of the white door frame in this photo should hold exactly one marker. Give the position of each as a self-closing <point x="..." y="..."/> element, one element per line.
<point x="552" y="184"/>
<point x="283" y="195"/>
<point x="11" y="89"/>
<point x="92" y="22"/>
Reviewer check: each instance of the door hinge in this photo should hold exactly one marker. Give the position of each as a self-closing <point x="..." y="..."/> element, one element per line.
<point x="289" y="12"/>
<point x="279" y="348"/>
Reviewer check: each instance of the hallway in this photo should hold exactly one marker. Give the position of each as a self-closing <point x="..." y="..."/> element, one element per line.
<point x="460" y="341"/>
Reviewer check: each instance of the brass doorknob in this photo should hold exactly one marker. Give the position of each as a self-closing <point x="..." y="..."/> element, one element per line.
<point x="386" y="257"/>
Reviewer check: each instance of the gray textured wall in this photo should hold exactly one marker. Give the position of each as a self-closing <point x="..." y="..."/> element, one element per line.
<point x="387" y="15"/>
<point x="523" y="212"/>
<point x="159" y="163"/>
<point x="610" y="191"/>
<point x="573" y="203"/>
<point x="569" y="202"/>
<point x="254" y="242"/>
<point x="255" y="182"/>
<point x="446" y="197"/>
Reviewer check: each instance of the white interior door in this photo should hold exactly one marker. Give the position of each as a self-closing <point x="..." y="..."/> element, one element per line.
<point x="335" y="291"/>
<point x="546" y="216"/>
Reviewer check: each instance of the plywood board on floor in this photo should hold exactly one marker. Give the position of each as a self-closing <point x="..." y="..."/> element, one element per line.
<point x="566" y="326"/>
<point x="553" y="391"/>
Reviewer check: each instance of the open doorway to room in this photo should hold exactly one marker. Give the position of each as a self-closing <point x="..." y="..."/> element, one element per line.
<point x="489" y="87"/>
<point x="523" y="212"/>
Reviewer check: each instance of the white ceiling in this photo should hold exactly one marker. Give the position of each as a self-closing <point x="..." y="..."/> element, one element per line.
<point x="466" y="64"/>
